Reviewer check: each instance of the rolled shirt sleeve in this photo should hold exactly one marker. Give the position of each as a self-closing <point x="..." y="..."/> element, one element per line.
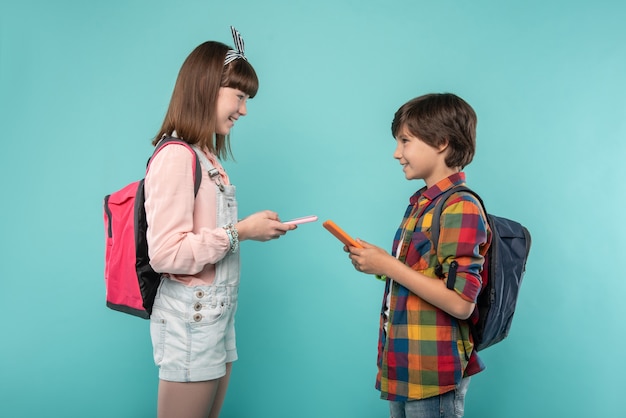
<point x="463" y="238"/>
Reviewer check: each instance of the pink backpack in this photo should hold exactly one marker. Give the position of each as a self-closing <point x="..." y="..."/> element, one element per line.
<point x="130" y="281"/>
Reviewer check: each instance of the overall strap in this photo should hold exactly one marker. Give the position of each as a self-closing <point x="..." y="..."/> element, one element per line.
<point x="214" y="173"/>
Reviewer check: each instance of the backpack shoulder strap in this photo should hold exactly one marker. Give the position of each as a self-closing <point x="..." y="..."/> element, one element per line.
<point x="435" y="228"/>
<point x="196" y="166"/>
<point x="440" y="206"/>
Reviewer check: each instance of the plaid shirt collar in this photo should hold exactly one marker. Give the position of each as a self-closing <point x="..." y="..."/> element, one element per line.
<point x="439" y="188"/>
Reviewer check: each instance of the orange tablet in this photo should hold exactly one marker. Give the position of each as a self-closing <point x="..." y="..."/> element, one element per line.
<point x="340" y="234"/>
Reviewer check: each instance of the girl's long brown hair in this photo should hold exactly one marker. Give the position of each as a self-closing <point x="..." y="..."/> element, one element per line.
<point x="192" y="109"/>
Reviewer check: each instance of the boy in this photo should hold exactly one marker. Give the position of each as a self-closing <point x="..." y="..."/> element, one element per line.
<point x="425" y="349"/>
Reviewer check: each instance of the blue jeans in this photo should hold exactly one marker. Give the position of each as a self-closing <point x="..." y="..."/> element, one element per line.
<point x="448" y="405"/>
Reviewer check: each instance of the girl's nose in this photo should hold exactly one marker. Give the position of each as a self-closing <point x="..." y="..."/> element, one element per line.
<point x="243" y="110"/>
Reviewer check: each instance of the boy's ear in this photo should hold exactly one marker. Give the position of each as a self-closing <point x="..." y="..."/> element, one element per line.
<point x="443" y="146"/>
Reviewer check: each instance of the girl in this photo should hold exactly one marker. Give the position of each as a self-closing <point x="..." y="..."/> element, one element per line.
<point x="194" y="240"/>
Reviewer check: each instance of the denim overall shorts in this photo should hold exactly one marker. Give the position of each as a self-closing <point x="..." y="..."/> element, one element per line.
<point x="193" y="327"/>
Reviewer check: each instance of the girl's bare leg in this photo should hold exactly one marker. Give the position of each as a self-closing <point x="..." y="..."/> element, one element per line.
<point x="220" y="394"/>
<point x="186" y="399"/>
<point x="192" y="399"/>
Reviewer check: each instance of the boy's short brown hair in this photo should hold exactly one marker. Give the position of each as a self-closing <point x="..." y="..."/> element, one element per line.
<point x="439" y="118"/>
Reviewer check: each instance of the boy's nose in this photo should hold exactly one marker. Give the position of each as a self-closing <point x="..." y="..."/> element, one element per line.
<point x="397" y="154"/>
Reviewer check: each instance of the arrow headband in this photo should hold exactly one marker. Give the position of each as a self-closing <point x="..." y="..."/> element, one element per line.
<point x="236" y="53"/>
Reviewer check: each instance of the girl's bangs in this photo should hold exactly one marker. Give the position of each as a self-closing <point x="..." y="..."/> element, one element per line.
<point x="240" y="75"/>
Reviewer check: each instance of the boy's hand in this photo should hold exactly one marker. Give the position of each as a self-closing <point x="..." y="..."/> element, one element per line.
<point x="369" y="259"/>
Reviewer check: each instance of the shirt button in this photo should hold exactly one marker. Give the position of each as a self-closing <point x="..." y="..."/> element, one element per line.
<point x="197" y="306"/>
<point x="199" y="294"/>
<point x="197" y="317"/>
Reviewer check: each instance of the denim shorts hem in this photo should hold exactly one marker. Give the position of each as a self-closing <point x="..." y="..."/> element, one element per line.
<point x="209" y="373"/>
<point x="201" y="375"/>
<point x="231" y="355"/>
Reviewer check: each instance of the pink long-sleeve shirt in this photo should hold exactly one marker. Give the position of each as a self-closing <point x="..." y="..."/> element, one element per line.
<point x="183" y="239"/>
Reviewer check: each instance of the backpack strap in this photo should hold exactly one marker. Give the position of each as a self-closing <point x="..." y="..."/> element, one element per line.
<point x="435" y="229"/>
<point x="196" y="166"/>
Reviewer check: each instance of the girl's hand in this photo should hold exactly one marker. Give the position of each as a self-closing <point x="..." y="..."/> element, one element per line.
<point x="370" y="259"/>
<point x="262" y="226"/>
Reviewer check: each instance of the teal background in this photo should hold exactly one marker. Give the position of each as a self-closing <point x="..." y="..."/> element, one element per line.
<point x="84" y="86"/>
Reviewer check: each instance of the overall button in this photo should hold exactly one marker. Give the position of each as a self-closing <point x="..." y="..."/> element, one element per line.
<point x="197" y="317"/>
<point x="199" y="294"/>
<point x="197" y="306"/>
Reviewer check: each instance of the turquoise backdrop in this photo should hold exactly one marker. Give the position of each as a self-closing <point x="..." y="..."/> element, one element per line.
<point x="84" y="86"/>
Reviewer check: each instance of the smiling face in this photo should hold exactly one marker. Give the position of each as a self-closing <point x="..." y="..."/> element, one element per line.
<point x="231" y="104"/>
<point x="420" y="160"/>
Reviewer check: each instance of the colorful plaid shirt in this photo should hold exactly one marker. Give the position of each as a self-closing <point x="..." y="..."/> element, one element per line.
<point x="424" y="351"/>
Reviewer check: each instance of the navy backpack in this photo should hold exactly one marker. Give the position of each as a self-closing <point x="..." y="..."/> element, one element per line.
<point x="505" y="264"/>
